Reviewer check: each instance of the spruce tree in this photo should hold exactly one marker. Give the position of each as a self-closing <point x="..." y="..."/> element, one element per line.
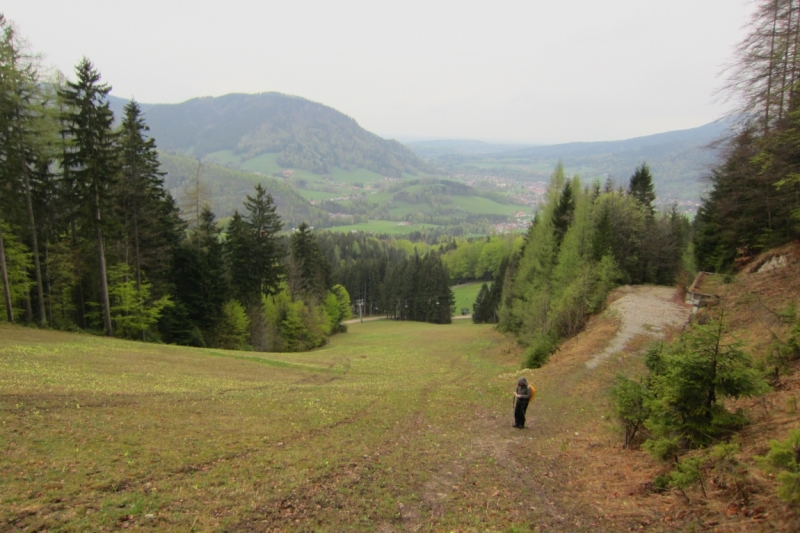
<point x="239" y="250"/>
<point x="22" y="114"/>
<point x="141" y="188"/>
<point x="641" y="188"/>
<point x="308" y="269"/>
<point x="263" y="226"/>
<point x="562" y="216"/>
<point x="91" y="158"/>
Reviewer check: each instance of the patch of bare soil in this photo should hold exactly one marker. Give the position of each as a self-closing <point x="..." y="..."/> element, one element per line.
<point x="643" y="310"/>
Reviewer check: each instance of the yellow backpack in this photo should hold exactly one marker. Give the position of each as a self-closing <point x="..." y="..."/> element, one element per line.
<point x="533" y="392"/>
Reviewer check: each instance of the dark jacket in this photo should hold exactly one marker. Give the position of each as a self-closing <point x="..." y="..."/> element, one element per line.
<point x="523" y="390"/>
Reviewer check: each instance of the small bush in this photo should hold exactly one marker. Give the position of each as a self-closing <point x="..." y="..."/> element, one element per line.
<point x="688" y="472"/>
<point x="728" y="470"/>
<point x="232" y="331"/>
<point x="663" y="448"/>
<point x="540" y="350"/>
<point x="784" y="457"/>
<point x="630" y="400"/>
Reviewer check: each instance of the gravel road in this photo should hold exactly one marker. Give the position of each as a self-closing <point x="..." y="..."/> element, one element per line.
<point x="643" y="310"/>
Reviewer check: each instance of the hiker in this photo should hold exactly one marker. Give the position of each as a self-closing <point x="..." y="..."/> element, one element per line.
<point x="522" y="396"/>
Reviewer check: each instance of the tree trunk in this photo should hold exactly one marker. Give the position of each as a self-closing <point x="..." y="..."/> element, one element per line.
<point x="47" y="279"/>
<point x="785" y="61"/>
<point x="136" y="252"/>
<point x="771" y="67"/>
<point x="102" y="258"/>
<point x="6" y="286"/>
<point x="76" y="264"/>
<point x="28" y="310"/>
<point x="34" y="244"/>
<point x="792" y="89"/>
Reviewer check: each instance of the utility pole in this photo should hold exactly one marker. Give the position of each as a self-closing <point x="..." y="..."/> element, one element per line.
<point x="360" y="304"/>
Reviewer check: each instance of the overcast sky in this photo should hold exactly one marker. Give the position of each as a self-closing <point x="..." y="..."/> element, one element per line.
<point x="539" y="71"/>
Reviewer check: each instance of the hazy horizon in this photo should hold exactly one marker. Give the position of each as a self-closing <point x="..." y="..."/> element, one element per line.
<point x="511" y="71"/>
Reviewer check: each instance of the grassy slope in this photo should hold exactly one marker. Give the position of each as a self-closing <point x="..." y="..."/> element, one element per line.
<point x="465" y="295"/>
<point x="393" y="426"/>
<point x="98" y="432"/>
<point x="389" y="227"/>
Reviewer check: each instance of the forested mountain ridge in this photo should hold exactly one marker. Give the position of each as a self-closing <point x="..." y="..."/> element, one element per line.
<point x="305" y="135"/>
<point x="225" y="188"/>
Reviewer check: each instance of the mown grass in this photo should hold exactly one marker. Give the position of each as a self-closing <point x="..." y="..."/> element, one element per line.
<point x="465" y="295"/>
<point x="101" y="433"/>
<point x="389" y="227"/>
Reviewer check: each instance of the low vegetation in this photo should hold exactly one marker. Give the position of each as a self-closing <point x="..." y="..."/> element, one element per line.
<point x="104" y="433"/>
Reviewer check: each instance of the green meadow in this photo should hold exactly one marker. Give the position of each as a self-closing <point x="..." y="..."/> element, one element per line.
<point x="465" y="295"/>
<point x="363" y="434"/>
<point x="389" y="227"/>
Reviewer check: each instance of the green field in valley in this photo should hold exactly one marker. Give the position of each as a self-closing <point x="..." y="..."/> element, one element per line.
<point x="465" y="295"/>
<point x="390" y="227"/>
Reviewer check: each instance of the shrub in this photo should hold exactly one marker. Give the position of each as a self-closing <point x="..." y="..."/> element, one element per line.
<point x="630" y="399"/>
<point x="690" y="377"/>
<point x="232" y="330"/>
<point x="784" y="457"/>
<point x="688" y="472"/>
<point x="540" y="350"/>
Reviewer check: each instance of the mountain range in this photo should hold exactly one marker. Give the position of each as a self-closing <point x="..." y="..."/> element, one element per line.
<point x="302" y="134"/>
<point x="307" y="153"/>
<point x="677" y="159"/>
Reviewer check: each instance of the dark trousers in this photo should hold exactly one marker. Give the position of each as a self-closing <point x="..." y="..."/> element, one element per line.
<point x="519" y="412"/>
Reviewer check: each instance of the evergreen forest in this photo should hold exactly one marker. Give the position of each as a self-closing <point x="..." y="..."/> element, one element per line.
<point x="90" y="238"/>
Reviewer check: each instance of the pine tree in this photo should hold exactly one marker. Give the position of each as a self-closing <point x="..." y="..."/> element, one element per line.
<point x="309" y="271"/>
<point x="141" y="188"/>
<point x="214" y="281"/>
<point x="562" y="215"/>
<point x="91" y="158"/>
<point x="22" y="114"/>
<point x="239" y="246"/>
<point x="263" y="225"/>
<point x="480" y="307"/>
<point x="641" y="188"/>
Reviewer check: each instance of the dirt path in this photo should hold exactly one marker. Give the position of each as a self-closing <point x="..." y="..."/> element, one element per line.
<point x="575" y="454"/>
<point x="642" y="310"/>
<point x="536" y="477"/>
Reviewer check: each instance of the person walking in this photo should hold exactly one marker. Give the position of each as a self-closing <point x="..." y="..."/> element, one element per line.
<point x="522" y="396"/>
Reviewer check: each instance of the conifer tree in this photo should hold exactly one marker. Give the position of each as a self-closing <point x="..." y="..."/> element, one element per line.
<point x="562" y="215"/>
<point x="141" y="186"/>
<point x="263" y="225"/>
<point x="308" y="269"/>
<point x="21" y="117"/>
<point x="90" y="158"/>
<point x="245" y="282"/>
<point x="641" y="188"/>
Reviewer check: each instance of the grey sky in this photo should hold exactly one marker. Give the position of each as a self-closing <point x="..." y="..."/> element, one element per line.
<point x="527" y="71"/>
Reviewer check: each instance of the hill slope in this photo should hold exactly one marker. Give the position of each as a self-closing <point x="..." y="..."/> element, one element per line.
<point x="678" y="159"/>
<point x="227" y="189"/>
<point x="304" y="135"/>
